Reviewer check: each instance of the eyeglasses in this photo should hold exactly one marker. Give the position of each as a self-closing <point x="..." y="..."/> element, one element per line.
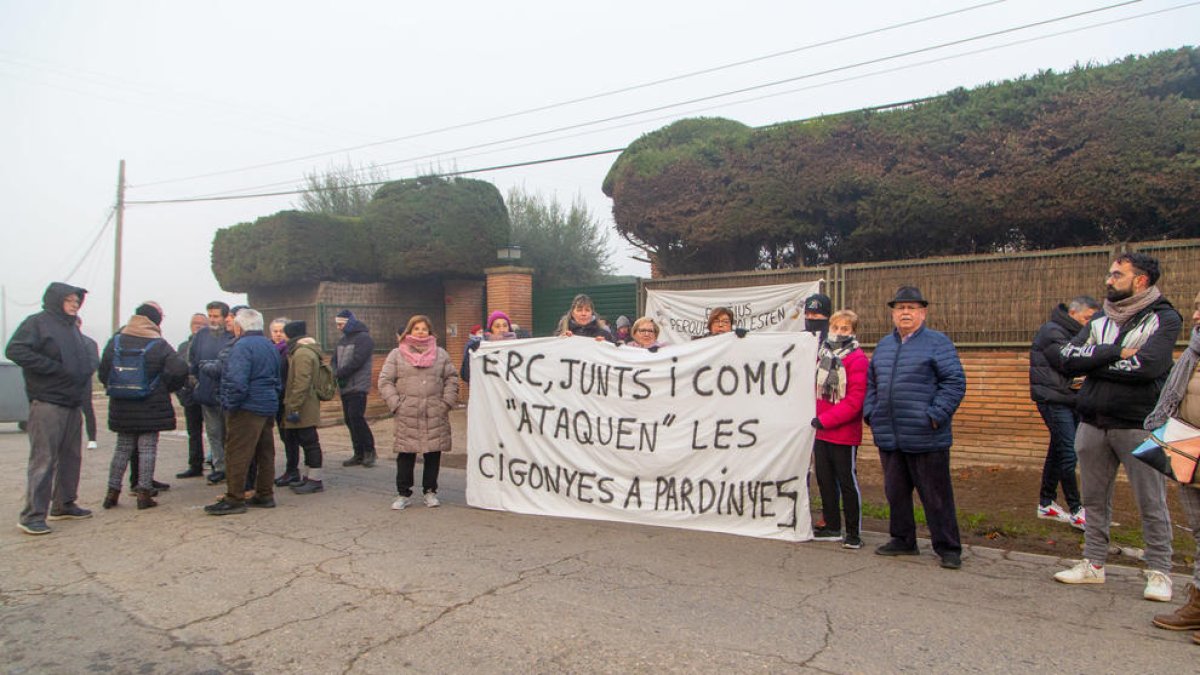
<point x="722" y="322"/>
<point x="646" y="330"/>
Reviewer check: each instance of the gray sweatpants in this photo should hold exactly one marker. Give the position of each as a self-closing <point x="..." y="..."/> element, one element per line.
<point x="214" y="430"/>
<point x="55" y="453"/>
<point x="1190" y="496"/>
<point x="1101" y="452"/>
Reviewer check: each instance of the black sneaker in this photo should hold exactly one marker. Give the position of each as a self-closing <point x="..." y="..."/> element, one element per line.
<point x="190" y="473"/>
<point x="286" y="478"/>
<point x="309" y="487"/>
<point x="952" y="561"/>
<point x="34" y="528"/>
<point x="216" y="477"/>
<point x="852" y="541"/>
<point x="69" y="511"/>
<point x="826" y="534"/>
<point x="261" y="502"/>
<point x="894" y="547"/>
<point x="161" y="487"/>
<point x="224" y="508"/>
<point x="353" y="461"/>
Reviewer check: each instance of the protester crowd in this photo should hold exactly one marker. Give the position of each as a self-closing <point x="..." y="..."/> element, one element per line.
<point x="1101" y="374"/>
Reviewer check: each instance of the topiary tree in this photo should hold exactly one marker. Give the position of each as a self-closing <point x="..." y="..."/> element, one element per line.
<point x="1094" y="155"/>
<point x="412" y="228"/>
<point x="289" y="247"/>
<point x="432" y="225"/>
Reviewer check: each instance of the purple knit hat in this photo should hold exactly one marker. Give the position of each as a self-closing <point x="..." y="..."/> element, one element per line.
<point x="497" y="315"/>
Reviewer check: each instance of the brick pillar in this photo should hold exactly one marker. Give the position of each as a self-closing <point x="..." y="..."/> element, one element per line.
<point x="464" y="306"/>
<point x="510" y="290"/>
<point x="655" y="270"/>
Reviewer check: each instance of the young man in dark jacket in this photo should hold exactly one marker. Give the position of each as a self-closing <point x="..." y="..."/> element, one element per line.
<point x="352" y="360"/>
<point x="57" y="367"/>
<point x="914" y="385"/>
<point x="250" y="390"/>
<point x="1126" y="355"/>
<point x="203" y="366"/>
<point x="1054" y="395"/>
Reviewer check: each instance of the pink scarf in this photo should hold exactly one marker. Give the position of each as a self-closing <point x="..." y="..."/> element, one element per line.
<point x="419" y="352"/>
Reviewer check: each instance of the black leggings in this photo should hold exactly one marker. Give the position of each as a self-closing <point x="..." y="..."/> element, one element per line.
<point x="306" y="438"/>
<point x="405" y="461"/>
<point x="836" y="479"/>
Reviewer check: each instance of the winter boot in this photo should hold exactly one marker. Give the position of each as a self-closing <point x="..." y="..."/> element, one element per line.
<point x="1186" y="617"/>
<point x="110" y="499"/>
<point x="145" y="500"/>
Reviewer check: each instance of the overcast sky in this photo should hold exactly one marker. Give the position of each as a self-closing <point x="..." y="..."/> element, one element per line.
<point x="187" y="89"/>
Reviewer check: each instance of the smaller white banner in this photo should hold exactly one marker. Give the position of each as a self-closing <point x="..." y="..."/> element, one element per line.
<point x="683" y="315"/>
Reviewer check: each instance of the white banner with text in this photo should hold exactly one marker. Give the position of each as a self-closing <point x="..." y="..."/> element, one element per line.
<point x="683" y="315"/>
<point x="708" y="435"/>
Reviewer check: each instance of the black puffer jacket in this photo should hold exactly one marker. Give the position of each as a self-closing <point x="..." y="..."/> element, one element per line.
<point x="1119" y="393"/>
<point x="51" y="352"/>
<point x="1047" y="383"/>
<point x="155" y="412"/>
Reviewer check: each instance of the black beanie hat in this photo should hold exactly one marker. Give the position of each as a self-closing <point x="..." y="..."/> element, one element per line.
<point x="150" y="312"/>
<point x="295" y="329"/>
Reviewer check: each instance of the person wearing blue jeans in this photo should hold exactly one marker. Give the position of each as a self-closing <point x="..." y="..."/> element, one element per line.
<point x="1053" y="392"/>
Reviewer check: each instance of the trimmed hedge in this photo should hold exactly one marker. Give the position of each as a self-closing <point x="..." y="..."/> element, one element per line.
<point x="412" y="228"/>
<point x="1093" y="155"/>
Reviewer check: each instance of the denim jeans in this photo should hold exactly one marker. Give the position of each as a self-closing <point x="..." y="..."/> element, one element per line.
<point x="1059" y="468"/>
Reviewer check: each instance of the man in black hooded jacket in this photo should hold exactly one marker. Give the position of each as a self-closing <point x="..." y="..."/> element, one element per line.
<point x="1054" y="393"/>
<point x="57" y="366"/>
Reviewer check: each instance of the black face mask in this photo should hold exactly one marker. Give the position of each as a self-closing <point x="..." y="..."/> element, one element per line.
<point x="820" y="326"/>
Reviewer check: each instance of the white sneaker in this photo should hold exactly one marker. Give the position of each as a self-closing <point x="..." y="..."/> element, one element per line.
<point x="1053" y="512"/>
<point x="92" y="445"/>
<point x="401" y="503"/>
<point x="1078" y="519"/>
<point x="1084" y="572"/>
<point x="431" y="500"/>
<point x="1158" y="586"/>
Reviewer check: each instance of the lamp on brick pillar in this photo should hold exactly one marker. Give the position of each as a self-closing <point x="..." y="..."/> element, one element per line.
<point x="510" y="288"/>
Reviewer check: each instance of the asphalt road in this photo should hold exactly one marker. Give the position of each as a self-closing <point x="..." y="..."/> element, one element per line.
<point x="339" y="583"/>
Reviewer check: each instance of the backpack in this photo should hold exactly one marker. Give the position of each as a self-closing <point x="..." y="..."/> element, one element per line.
<point x="127" y="378"/>
<point x="324" y="384"/>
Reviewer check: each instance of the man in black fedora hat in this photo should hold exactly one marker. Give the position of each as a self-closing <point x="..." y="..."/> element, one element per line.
<point x="914" y="385"/>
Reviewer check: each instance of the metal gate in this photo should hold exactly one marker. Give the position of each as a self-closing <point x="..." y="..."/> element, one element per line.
<point x="611" y="300"/>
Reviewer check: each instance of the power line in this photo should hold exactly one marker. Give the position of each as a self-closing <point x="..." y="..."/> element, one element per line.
<point x="111" y="212"/>
<point x="445" y="174"/>
<point x="583" y="99"/>
<point x="734" y="92"/>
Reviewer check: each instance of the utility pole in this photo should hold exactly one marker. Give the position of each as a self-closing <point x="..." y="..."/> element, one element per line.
<point x="116" y="299"/>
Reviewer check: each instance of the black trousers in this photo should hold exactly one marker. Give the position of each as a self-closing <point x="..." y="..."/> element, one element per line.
<point x="406" y="461"/>
<point x="293" y="440"/>
<point x="837" y="481"/>
<point x="354" y="413"/>
<point x="194" y="415"/>
<point x="929" y="474"/>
